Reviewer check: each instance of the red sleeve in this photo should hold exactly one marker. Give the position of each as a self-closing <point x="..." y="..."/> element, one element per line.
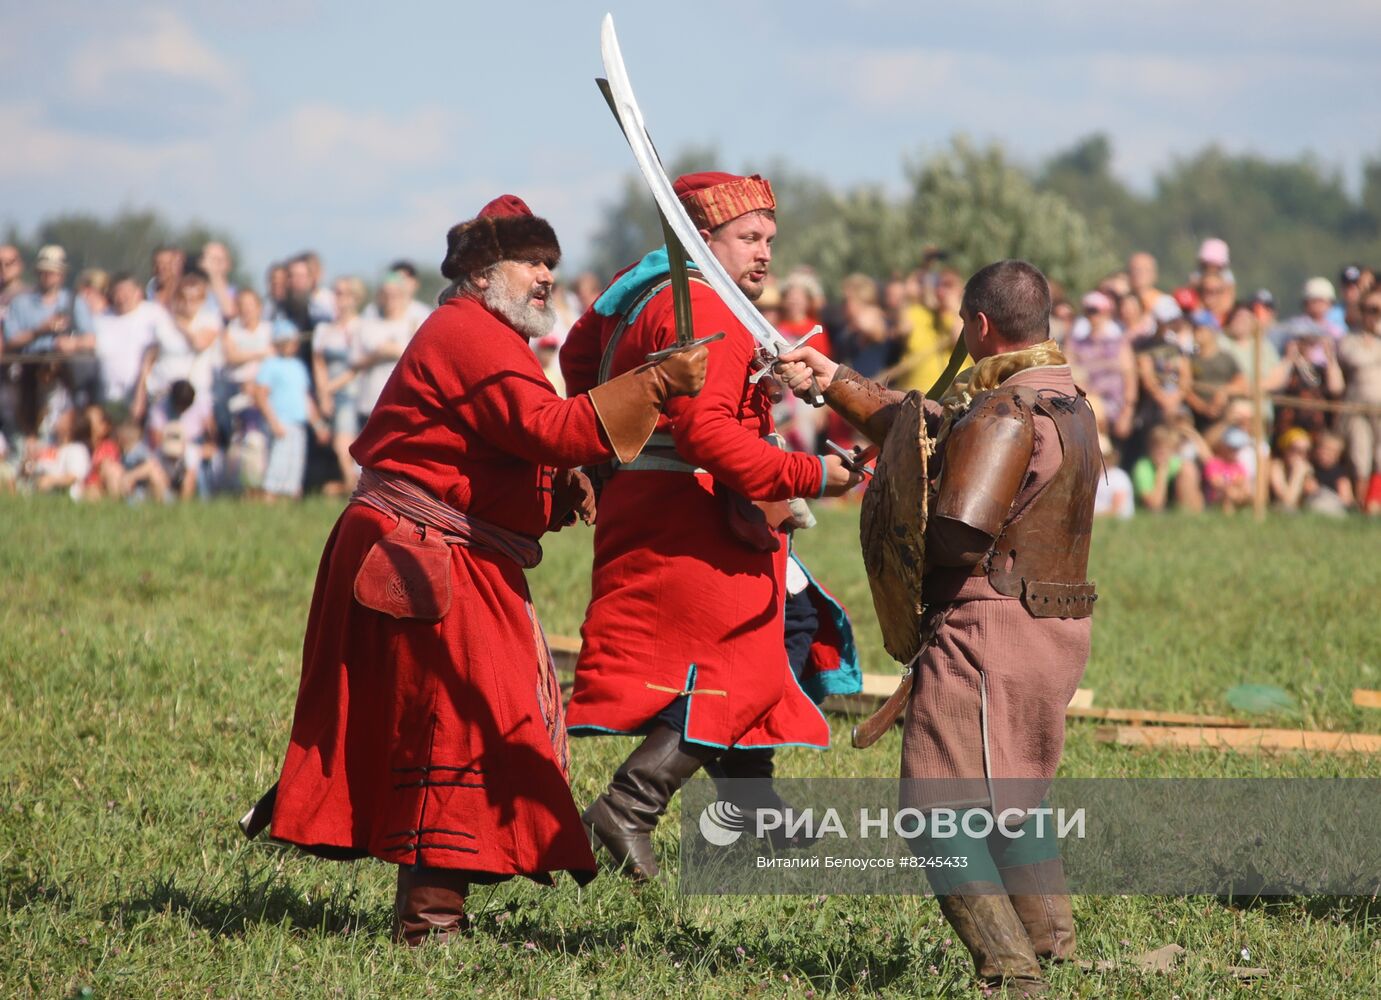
<point x="508" y="400"/>
<point x="581" y="354"/>
<point x="708" y="429"/>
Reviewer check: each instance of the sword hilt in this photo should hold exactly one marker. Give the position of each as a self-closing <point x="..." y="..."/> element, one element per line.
<point x="817" y="396"/>
<point x="855" y="459"/>
<point x="667" y="352"/>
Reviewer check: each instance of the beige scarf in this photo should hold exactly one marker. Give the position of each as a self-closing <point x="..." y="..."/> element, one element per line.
<point x="991" y="373"/>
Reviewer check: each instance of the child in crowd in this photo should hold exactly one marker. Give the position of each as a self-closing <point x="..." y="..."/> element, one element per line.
<point x="178" y="427"/>
<point x="1313" y="478"/>
<point x="107" y="468"/>
<point x="62" y="465"/>
<point x="1225" y="478"/>
<point x="282" y="390"/>
<point x="1236" y="427"/>
<point x="1163" y="475"/>
<point x="142" y="473"/>
<point x="1115" y="491"/>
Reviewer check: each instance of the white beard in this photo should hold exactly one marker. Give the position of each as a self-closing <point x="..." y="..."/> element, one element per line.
<point x="516" y="307"/>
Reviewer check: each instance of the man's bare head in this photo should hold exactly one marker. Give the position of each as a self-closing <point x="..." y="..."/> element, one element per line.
<point x="1006" y="307"/>
<point x="1142" y="271"/>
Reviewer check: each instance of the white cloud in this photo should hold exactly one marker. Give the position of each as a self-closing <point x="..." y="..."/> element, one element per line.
<point x="159" y="43"/>
<point x="39" y="149"/>
<point x="359" y="145"/>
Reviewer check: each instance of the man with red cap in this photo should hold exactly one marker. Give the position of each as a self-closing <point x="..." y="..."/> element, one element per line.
<point x="429" y="730"/>
<point x="683" y="637"/>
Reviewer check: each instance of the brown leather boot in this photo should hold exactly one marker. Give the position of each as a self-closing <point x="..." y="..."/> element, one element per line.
<point x="429" y="905"/>
<point x="983" y="918"/>
<point x="1041" y="898"/>
<point x="623" y="818"/>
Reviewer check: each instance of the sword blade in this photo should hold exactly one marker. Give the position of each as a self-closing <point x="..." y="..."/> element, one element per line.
<point x="676" y="253"/>
<point x="625" y="107"/>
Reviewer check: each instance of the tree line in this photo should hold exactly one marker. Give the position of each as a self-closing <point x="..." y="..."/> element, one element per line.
<point x="1286" y="219"/>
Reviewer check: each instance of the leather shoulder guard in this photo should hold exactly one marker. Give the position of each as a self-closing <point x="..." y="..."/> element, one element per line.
<point x="986" y="457"/>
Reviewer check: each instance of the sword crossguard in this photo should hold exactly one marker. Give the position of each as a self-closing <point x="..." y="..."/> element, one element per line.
<point x="668" y="352"/>
<point x="817" y="397"/>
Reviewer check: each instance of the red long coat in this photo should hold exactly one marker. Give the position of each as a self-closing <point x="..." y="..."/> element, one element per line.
<point x="424" y="743"/>
<point x="677" y="603"/>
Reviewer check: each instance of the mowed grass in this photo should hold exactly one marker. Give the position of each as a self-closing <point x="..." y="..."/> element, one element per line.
<point x="149" y="659"/>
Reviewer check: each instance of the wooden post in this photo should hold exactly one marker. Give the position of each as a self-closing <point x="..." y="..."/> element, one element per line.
<point x="1259" y="430"/>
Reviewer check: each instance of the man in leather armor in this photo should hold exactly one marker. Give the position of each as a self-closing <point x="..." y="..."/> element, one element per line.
<point x="1005" y="622"/>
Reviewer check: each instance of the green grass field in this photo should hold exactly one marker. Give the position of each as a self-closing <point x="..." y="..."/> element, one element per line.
<point x="150" y="661"/>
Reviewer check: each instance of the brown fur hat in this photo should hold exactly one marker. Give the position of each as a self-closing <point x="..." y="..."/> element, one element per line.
<point x="505" y="229"/>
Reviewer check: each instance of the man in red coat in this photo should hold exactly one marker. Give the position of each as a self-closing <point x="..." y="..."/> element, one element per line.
<point x="428" y="730"/>
<point x="683" y="637"/>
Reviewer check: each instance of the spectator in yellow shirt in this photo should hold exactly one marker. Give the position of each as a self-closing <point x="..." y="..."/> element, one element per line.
<point x="930" y="335"/>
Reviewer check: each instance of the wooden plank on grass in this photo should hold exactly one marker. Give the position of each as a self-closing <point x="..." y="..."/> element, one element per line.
<point x="564" y="644"/>
<point x="1363" y="698"/>
<point x="1143" y="715"/>
<point x="882" y="686"/>
<point x="565" y="650"/>
<point x="1242" y="740"/>
<point x="1083" y="698"/>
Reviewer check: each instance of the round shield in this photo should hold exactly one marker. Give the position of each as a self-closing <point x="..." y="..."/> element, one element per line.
<point x="892" y="529"/>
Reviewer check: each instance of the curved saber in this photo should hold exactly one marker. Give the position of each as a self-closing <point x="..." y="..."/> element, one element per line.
<point x="630" y="116"/>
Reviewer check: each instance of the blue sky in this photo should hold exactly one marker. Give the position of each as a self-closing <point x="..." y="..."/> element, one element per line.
<point x="366" y="130"/>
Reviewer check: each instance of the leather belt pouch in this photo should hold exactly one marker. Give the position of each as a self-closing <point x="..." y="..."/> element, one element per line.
<point x="753" y="523"/>
<point x="407" y="574"/>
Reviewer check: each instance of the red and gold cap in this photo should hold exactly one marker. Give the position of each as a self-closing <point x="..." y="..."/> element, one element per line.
<point x="713" y="198"/>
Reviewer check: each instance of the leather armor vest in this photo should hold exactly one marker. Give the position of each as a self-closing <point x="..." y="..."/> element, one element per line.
<point x="1041" y="554"/>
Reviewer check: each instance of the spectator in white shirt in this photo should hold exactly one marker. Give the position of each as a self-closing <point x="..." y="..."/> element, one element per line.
<point x="191" y="351"/>
<point x="417" y="311"/>
<point x="248" y="340"/>
<point x="333" y="345"/>
<point x="381" y="343"/>
<point x="122" y="337"/>
<point x="215" y="262"/>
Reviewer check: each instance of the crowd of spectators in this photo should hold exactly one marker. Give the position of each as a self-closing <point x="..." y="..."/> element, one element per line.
<point x="183" y="385"/>
<point x="1170" y="375"/>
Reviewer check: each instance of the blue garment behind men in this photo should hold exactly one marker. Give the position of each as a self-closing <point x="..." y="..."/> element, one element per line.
<point x="29" y="311"/>
<point x="633" y="282"/>
<point x="287" y="382"/>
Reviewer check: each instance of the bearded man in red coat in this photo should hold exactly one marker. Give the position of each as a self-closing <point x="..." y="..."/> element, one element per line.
<point x="683" y="637"/>
<point x="429" y="729"/>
